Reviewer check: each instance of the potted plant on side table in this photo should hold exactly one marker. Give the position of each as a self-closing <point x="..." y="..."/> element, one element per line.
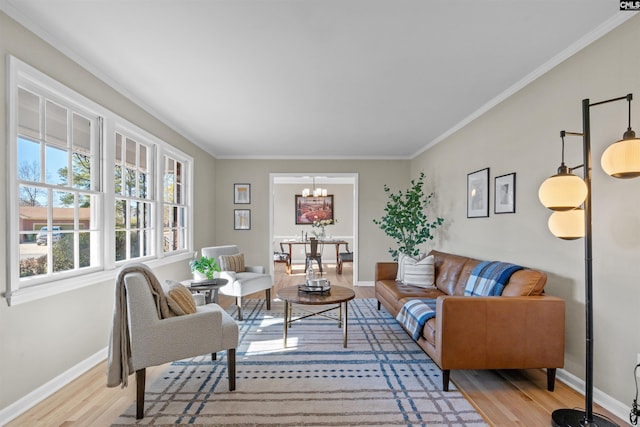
<point x="204" y="268"/>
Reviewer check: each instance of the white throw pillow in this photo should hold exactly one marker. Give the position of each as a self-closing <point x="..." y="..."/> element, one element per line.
<point x="419" y="273"/>
<point x="403" y="260"/>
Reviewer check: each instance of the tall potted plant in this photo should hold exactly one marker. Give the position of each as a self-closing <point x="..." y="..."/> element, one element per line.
<point x="405" y="219"/>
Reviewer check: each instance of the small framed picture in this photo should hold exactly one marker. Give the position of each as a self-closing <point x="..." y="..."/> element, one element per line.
<point x="241" y="194"/>
<point x="505" y="194"/>
<point x="478" y="194"/>
<point x="242" y="219"/>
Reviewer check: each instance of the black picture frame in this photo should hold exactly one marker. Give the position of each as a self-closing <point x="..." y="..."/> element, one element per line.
<point x="504" y="194"/>
<point x="241" y="194"/>
<point x="242" y="219"/>
<point x="309" y="209"/>
<point x="478" y="194"/>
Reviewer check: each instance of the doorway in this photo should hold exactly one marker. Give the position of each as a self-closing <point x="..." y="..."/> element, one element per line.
<point x="284" y="187"/>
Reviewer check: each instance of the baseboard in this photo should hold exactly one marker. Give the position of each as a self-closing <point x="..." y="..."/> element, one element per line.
<point x="614" y="406"/>
<point x="364" y="283"/>
<point x="41" y="393"/>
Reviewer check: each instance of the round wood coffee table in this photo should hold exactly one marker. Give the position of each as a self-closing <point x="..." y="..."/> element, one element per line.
<point x="336" y="295"/>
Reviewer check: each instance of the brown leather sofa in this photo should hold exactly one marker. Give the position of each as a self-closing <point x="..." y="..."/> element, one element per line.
<point x="522" y="329"/>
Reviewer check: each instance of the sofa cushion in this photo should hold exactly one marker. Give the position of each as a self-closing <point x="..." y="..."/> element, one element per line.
<point x="232" y="262"/>
<point x="179" y="298"/>
<point x="404" y="260"/>
<point x="525" y="282"/>
<point x="453" y="271"/>
<point x="419" y="273"/>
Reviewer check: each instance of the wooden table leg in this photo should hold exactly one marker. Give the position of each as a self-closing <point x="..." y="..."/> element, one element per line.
<point x="286" y="322"/>
<point x="344" y="325"/>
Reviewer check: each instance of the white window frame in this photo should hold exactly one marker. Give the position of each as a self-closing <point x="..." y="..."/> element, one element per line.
<point x="17" y="292"/>
<point x="188" y="195"/>
<point x="127" y="133"/>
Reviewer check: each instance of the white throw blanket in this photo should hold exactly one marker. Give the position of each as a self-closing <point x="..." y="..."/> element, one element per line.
<point x="119" y="364"/>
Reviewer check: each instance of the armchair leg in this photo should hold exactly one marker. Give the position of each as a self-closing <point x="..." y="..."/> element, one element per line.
<point x="141" y="375"/>
<point x="214" y="356"/>
<point x="231" y="368"/>
<point x="268" y="292"/>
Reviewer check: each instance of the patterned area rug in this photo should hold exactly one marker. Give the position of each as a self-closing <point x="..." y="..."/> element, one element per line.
<point x="381" y="379"/>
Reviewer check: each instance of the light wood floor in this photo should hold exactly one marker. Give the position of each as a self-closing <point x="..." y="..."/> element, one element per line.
<point x="505" y="398"/>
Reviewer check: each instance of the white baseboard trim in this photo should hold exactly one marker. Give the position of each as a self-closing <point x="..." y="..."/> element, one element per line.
<point x="365" y="283"/>
<point x="616" y="407"/>
<point x="41" y="393"/>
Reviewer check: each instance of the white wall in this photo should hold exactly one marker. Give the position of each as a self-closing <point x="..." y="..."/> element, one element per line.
<point x="521" y="135"/>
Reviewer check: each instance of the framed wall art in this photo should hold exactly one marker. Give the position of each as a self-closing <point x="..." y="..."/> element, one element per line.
<point x="241" y="194"/>
<point x="242" y="219"/>
<point x="309" y="209"/>
<point x="478" y="194"/>
<point x="505" y="194"/>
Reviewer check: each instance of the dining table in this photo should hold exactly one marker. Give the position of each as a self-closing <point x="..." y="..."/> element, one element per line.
<point x="291" y="242"/>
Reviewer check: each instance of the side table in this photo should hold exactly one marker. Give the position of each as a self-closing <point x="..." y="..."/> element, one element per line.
<point x="209" y="287"/>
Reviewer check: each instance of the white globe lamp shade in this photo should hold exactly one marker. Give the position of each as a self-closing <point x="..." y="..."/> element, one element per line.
<point x="562" y="192"/>
<point x="622" y="159"/>
<point x="567" y="225"/>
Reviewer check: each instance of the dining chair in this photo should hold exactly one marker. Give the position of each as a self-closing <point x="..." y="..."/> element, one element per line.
<point x="313" y="255"/>
<point x="344" y="257"/>
<point x="284" y="257"/>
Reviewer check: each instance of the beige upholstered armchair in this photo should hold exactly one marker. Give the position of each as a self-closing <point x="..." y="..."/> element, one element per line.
<point x="242" y="279"/>
<point x="156" y="338"/>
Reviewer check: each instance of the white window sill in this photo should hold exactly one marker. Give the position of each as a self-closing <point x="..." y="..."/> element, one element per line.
<point x="41" y="291"/>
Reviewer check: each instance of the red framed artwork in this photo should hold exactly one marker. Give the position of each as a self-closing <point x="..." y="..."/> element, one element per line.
<point x="309" y="209"/>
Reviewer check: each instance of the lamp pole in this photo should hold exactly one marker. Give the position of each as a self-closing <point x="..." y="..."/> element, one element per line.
<point x="573" y="417"/>
<point x="588" y="264"/>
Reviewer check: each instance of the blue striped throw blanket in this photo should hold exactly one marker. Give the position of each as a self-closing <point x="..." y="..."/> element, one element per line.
<point x="489" y="278"/>
<point x="415" y="313"/>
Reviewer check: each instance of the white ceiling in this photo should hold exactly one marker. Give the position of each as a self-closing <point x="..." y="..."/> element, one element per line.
<point x="317" y="78"/>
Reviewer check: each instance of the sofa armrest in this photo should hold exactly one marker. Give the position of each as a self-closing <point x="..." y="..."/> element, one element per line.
<point x="500" y="332"/>
<point x="386" y="271"/>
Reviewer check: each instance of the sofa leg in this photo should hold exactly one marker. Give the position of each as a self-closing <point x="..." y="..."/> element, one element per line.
<point x="445" y="379"/>
<point x="140" y="380"/>
<point x="268" y="292"/>
<point x="231" y="368"/>
<point x="551" y="379"/>
<point x="378" y="305"/>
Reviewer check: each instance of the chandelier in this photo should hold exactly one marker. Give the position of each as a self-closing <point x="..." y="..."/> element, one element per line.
<point x="317" y="191"/>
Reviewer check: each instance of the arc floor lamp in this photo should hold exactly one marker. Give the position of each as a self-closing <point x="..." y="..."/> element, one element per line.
<point x="569" y="196"/>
